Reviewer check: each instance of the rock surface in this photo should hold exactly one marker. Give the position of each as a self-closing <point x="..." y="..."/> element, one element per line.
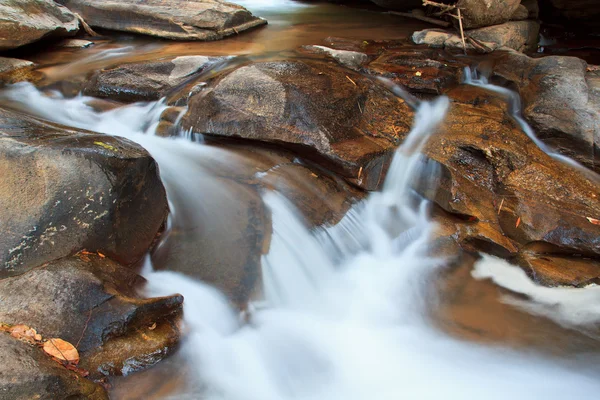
<point x="324" y="112"/>
<point x="559" y="101"/>
<point x="13" y="70"/>
<point x="27" y="373"/>
<point x="145" y="81"/>
<point x="170" y="19"/>
<point x="481" y="13"/>
<point x="27" y="21"/>
<point x="585" y="12"/>
<point x="398" y="4"/>
<point x="64" y="190"/>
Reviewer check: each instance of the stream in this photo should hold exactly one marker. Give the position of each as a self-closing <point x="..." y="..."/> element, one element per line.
<point x="349" y="310"/>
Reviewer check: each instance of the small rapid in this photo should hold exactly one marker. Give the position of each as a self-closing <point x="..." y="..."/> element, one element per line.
<point x="345" y="308"/>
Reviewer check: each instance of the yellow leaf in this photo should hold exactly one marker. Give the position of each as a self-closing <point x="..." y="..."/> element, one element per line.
<point x="593" y="220"/>
<point x="418" y="73"/>
<point x="61" y="350"/>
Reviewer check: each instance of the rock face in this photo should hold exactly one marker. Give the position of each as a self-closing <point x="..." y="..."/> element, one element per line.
<point x="516" y="35"/>
<point x="319" y="110"/>
<point x="171" y="19"/>
<point x="480" y="13"/>
<point x="145" y="81"/>
<point x="27" y="373"/>
<point x="13" y="70"/>
<point x="559" y="101"/>
<point x="27" y="21"/>
<point x="64" y="190"/>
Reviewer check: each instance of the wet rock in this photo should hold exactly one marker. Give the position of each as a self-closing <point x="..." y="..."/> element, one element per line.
<point x="420" y="70"/>
<point x="516" y="35"/>
<point x="349" y="59"/>
<point x="27" y="373"/>
<point x="398" y="4"/>
<point x="92" y="303"/>
<point x="27" y="21"/>
<point x="559" y="101"/>
<point x="190" y="20"/>
<point x="506" y="194"/>
<point x="74" y="43"/>
<point x="342" y="119"/>
<point x="481" y="13"/>
<point x="145" y="81"/>
<point x="63" y="190"/>
<point x="13" y="70"/>
<point x="533" y="8"/>
<point x="553" y="270"/>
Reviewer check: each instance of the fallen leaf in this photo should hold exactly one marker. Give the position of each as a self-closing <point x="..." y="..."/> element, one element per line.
<point x="101" y="255"/>
<point x="418" y="73"/>
<point x="152" y="327"/>
<point x="61" y="350"/>
<point x="593" y="220"/>
<point x="26" y="333"/>
<point x="106" y="146"/>
<point x="81" y="372"/>
<point x="518" y="222"/>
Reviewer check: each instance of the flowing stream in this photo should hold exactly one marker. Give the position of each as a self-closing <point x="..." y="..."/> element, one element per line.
<point x="344" y="311"/>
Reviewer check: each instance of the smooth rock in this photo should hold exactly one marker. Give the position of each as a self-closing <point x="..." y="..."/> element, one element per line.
<point x="64" y="190"/>
<point x="27" y="373"/>
<point x="146" y="81"/>
<point x="552" y="270"/>
<point x="559" y="101"/>
<point x="343" y="119"/>
<point x="170" y="19"/>
<point x="13" y="70"/>
<point x="349" y="59"/>
<point x="27" y="21"/>
<point x="520" y="14"/>
<point x="481" y="13"/>
<point x="533" y="8"/>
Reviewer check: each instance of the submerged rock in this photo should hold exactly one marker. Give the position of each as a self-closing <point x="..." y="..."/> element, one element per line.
<point x="145" y="81"/>
<point x="27" y="21"/>
<point x="339" y="117"/>
<point x="64" y="190"/>
<point x="170" y="19"/>
<point x="13" y="70"/>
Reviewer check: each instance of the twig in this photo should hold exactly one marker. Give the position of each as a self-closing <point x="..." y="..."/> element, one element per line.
<point x="84" y="328"/>
<point x="500" y="208"/>
<point x="462" y="33"/>
<point x="351" y="80"/>
<point x="85" y="26"/>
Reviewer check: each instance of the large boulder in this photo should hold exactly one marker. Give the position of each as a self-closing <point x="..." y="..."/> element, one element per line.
<point x="170" y="19"/>
<point x="560" y="101"/>
<point x="344" y="119"/>
<point x="480" y="13"/>
<point x="144" y="81"/>
<point x="64" y="190"/>
<point x="27" y="373"/>
<point x="27" y="21"/>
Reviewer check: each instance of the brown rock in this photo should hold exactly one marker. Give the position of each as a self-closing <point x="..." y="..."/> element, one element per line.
<point x="27" y="21"/>
<point x="64" y="190"/>
<point x="553" y="270"/>
<point x="13" y="70"/>
<point x="170" y="19"/>
<point x="319" y="110"/>
<point x="520" y="13"/>
<point x="481" y="13"/>
<point x="586" y="12"/>
<point x="398" y="4"/>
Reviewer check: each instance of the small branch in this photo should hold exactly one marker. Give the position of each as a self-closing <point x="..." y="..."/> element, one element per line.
<point x="462" y="33"/>
<point x="84" y="328"/>
<point x="85" y="26"/>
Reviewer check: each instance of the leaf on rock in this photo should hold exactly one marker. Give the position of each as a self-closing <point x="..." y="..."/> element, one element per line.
<point x="61" y="350"/>
<point x="593" y="220"/>
<point x="25" y="333"/>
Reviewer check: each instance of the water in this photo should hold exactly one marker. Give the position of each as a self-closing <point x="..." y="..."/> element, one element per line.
<point x="346" y="324"/>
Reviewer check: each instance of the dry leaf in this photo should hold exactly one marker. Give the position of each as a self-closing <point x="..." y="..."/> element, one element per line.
<point x="152" y="327"/>
<point x="593" y="220"/>
<point x="61" y="350"/>
<point x="418" y="73"/>
<point x="101" y="255"/>
<point x="26" y="333"/>
<point x="518" y="222"/>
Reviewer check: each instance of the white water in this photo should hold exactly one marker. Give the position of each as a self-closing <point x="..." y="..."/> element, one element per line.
<point x="346" y="325"/>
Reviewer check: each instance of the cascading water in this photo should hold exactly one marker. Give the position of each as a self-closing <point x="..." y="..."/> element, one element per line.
<point x="347" y="324"/>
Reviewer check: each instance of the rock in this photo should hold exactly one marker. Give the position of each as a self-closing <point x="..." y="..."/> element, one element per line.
<point x="533" y="8"/>
<point x="481" y="13"/>
<point x="586" y="12"/>
<point x="319" y="110"/>
<point x="91" y="302"/>
<point x="552" y="270"/>
<point x="27" y="21"/>
<point x="398" y="4"/>
<point x="63" y="190"/>
<point x="521" y="13"/>
<point x="516" y="35"/>
<point x="504" y="194"/>
<point x="170" y="19"/>
<point x="13" y="70"/>
<point x="74" y="43"/>
<point x="145" y="81"/>
<point x="27" y="373"/>
<point x="349" y="59"/>
<point x="559" y="101"/>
